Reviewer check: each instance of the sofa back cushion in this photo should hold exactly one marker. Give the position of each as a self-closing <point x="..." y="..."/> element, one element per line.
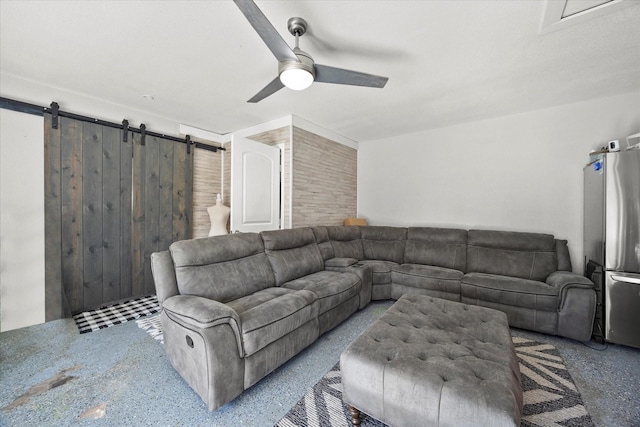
<point x="525" y="255"/>
<point x="346" y="241"/>
<point x="438" y="247"/>
<point x="324" y="244"/>
<point x="222" y="268"/>
<point x="383" y="243"/>
<point x="292" y="253"/>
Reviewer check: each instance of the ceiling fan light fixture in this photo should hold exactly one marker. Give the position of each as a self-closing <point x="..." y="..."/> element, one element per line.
<point x="297" y="75"/>
<point x="296" y="78"/>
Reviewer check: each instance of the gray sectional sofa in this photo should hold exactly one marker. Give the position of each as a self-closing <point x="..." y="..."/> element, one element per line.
<point x="236" y="307"/>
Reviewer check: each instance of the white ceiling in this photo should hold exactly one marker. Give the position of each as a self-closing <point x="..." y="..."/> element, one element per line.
<point x="448" y="62"/>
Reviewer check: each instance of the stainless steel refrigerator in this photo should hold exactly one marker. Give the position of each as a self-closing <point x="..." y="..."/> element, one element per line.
<point x="612" y="244"/>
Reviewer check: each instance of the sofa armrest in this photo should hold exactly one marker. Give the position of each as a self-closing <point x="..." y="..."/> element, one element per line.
<point x="339" y="262"/>
<point x="203" y="313"/>
<point x="164" y="275"/>
<point x="577" y="305"/>
<point x="563" y="280"/>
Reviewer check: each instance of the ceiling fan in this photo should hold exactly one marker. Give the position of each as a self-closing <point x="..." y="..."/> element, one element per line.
<point x="296" y="68"/>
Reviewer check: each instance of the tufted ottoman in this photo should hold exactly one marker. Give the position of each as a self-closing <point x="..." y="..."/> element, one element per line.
<point x="433" y="362"/>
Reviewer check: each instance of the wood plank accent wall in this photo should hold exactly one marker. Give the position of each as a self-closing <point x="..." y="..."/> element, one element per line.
<point x="274" y="137"/>
<point x="107" y="211"/>
<point x="324" y="180"/>
<point x="207" y="183"/>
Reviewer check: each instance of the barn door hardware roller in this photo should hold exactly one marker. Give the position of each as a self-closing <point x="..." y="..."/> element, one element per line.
<point x="54" y="114"/>
<point x="125" y="130"/>
<point x="143" y="133"/>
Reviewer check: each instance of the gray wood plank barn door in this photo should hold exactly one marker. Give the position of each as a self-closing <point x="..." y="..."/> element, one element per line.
<point x="109" y="205"/>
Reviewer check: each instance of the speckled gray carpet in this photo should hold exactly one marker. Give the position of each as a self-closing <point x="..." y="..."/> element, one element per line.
<point x="120" y="376"/>
<point x="550" y="396"/>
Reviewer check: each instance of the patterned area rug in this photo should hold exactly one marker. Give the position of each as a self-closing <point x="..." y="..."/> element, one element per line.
<point x="116" y="314"/>
<point x="550" y="396"/>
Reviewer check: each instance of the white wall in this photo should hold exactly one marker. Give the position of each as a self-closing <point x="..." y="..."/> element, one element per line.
<point x="14" y="87"/>
<point x="21" y="220"/>
<point x="521" y="172"/>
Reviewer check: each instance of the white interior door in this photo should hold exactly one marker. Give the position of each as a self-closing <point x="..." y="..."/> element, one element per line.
<point x="255" y="186"/>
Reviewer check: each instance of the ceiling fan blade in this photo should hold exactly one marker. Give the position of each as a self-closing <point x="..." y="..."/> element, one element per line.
<point x="326" y="74"/>
<point x="265" y="30"/>
<point x="269" y="89"/>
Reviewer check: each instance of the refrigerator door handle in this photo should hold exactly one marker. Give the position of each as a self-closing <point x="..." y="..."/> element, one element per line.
<point x="625" y="279"/>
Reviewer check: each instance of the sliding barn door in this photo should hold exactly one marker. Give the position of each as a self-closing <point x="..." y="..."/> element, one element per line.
<point x="161" y="212"/>
<point x="110" y="203"/>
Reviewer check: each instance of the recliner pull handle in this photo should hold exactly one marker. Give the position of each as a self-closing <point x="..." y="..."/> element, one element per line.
<point x="189" y="341"/>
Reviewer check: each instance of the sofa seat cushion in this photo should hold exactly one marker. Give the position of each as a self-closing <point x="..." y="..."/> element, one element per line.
<point x="332" y="288"/>
<point x="511" y="291"/>
<point x="272" y="313"/>
<point x="427" y="277"/>
<point x="381" y="270"/>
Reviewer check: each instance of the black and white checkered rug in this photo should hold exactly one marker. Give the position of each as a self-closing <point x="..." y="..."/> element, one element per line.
<point x="116" y="314"/>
